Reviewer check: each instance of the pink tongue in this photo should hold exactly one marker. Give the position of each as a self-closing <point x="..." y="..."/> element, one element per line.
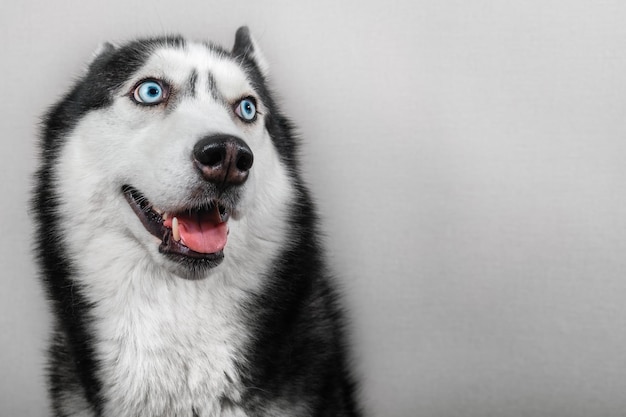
<point x="203" y="232"/>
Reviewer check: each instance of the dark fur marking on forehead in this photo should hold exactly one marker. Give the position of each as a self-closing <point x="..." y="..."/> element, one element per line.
<point x="213" y="90"/>
<point x="191" y="83"/>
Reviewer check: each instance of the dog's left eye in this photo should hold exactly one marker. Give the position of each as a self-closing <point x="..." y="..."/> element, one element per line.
<point x="150" y="92"/>
<point x="246" y="109"/>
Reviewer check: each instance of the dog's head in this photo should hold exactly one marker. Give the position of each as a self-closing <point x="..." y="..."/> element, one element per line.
<point x="177" y="145"/>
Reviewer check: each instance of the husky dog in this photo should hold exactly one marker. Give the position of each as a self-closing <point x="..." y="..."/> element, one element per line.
<point x="178" y="243"/>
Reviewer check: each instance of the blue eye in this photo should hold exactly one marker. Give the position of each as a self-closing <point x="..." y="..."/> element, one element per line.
<point x="246" y="109"/>
<point x="150" y="92"/>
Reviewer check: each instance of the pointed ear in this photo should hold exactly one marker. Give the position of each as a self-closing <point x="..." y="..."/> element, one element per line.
<point x="246" y="47"/>
<point x="103" y="49"/>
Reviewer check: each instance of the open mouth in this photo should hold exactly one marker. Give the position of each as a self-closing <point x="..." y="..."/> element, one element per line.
<point x="194" y="233"/>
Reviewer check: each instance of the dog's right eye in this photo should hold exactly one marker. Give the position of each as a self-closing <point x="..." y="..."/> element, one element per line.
<point x="150" y="92"/>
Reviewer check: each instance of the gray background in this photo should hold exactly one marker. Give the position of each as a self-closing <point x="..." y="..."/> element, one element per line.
<point x="468" y="159"/>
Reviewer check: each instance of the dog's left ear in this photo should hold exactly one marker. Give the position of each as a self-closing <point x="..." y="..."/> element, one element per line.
<point x="246" y="47"/>
<point x="101" y="51"/>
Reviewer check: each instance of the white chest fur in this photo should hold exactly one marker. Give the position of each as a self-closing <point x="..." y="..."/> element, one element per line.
<point x="167" y="346"/>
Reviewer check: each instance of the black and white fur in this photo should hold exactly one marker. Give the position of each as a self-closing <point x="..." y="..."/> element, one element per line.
<point x="140" y="333"/>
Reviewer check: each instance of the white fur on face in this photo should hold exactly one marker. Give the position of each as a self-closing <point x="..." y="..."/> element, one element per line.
<point x="167" y="345"/>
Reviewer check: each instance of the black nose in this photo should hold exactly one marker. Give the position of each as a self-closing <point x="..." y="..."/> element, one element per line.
<point x="223" y="159"/>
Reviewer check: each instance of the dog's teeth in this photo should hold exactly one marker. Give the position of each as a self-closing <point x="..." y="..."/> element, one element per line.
<point x="165" y="216"/>
<point x="175" y="231"/>
<point x="157" y="210"/>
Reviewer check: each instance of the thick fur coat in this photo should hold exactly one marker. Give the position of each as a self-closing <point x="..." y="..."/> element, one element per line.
<point x="229" y="310"/>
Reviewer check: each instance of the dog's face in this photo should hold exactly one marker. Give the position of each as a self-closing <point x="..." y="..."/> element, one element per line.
<point x="172" y="149"/>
